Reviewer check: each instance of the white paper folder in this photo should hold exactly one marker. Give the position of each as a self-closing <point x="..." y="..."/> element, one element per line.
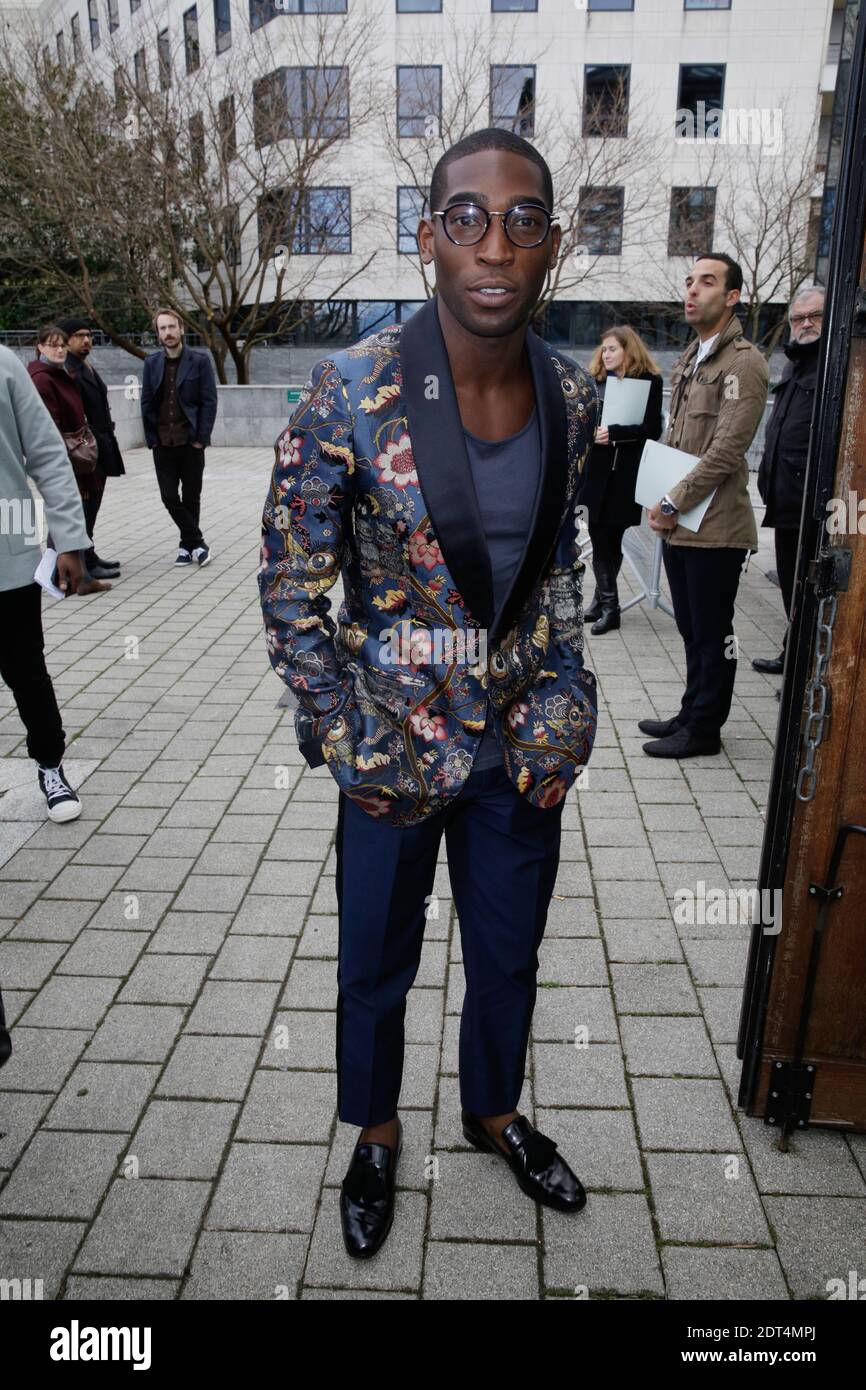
<point x="661" y="468"/>
<point x="625" y="401"/>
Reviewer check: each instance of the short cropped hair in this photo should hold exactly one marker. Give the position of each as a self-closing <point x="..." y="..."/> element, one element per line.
<point x="490" y="139"/>
<point x="734" y="272"/>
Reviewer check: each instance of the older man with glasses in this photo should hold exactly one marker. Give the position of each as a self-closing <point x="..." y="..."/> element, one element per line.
<point x="782" y="474"/>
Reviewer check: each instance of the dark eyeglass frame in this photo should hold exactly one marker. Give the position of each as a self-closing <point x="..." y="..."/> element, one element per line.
<point x="506" y="216"/>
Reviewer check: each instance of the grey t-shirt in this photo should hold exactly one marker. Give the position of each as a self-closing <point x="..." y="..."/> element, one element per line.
<point x="505" y="475"/>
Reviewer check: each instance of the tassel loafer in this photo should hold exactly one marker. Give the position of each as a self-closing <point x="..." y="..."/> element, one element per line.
<point x="532" y="1158"/>
<point x="367" y="1195"/>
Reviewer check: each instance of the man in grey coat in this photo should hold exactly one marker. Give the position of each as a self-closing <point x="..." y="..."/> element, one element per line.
<point x="32" y="448"/>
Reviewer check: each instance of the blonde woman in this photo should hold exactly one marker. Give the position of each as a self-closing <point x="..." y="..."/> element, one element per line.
<point x="611" y="473"/>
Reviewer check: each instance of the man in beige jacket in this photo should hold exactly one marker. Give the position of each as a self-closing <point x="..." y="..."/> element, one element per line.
<point x="718" y="392"/>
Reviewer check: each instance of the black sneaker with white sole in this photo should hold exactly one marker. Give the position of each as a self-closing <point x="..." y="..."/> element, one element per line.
<point x="63" y="804"/>
<point x="183" y="557"/>
<point x="201" y="555"/>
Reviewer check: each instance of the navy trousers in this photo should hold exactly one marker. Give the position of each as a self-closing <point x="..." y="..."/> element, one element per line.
<point x="503" y="856"/>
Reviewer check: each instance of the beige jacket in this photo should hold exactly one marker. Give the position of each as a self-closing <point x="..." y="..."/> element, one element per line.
<point x="714" y="414"/>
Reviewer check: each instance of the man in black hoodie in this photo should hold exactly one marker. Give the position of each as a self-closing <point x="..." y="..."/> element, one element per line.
<point x="786" y="446"/>
<point x="94" y="395"/>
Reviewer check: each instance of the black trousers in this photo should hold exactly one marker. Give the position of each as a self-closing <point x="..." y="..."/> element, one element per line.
<point x="179" y="472"/>
<point x="23" y="669"/>
<point x="93" y="488"/>
<point x="787" y="544"/>
<point x="703" y="583"/>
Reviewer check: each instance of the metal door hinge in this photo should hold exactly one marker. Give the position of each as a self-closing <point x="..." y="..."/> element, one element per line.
<point x="789" y="1098"/>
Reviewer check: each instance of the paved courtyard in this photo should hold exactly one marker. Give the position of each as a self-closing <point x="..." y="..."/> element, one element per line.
<point x="168" y="1118"/>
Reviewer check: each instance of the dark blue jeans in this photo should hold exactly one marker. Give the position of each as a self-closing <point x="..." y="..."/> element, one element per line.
<point x="503" y="856"/>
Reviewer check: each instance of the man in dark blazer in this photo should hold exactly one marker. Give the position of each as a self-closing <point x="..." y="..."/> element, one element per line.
<point x="178" y="409"/>
<point x="436" y="464"/>
<point x="782" y="474"/>
<point x="94" y="395"/>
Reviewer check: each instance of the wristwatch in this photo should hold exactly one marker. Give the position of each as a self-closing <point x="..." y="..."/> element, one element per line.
<point x="667" y="507"/>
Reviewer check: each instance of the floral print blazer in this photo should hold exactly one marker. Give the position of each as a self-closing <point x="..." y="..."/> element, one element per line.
<point x="371" y="479"/>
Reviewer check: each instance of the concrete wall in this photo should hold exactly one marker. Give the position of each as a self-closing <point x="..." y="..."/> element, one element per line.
<point x="252" y="416"/>
<point x="247" y="416"/>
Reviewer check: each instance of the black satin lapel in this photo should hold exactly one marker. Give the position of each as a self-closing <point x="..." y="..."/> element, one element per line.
<point x="543" y="529"/>
<point x="441" y="461"/>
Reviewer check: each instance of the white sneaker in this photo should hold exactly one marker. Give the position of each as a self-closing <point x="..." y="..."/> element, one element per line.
<point x="183" y="557"/>
<point x="63" y="804"/>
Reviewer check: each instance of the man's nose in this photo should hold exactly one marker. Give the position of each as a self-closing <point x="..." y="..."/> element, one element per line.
<point x="494" y="245"/>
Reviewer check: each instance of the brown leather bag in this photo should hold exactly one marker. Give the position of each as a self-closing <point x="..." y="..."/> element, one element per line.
<point x="83" y="451"/>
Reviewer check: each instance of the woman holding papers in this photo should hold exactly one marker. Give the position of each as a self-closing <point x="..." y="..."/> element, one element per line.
<point x="630" y="385"/>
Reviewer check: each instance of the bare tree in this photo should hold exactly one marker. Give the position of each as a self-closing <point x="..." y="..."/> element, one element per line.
<point x="205" y="186"/>
<point x="759" y="187"/>
<point x="593" y="164"/>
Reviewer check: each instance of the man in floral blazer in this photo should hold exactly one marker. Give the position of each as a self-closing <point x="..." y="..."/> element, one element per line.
<point x="410" y="467"/>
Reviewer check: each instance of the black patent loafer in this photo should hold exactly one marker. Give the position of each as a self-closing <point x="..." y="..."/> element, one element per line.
<point x="532" y="1158"/>
<point x="367" y="1196"/>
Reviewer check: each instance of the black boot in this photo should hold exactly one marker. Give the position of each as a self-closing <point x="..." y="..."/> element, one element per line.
<point x="99" y="569"/>
<point x="609" y="620"/>
<point x="593" y="612"/>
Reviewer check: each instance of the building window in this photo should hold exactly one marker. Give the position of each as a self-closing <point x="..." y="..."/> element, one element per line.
<point x="599" y="220"/>
<point x="611" y="4"/>
<point x="410" y="208"/>
<point x="419" y="6"/>
<point x="312" y="6"/>
<point x="512" y="99"/>
<point x="163" y="55"/>
<point x="61" y="49"/>
<point x="93" y="20"/>
<point x="419" y="101"/>
<point x="227" y="129"/>
<point x="316" y="223"/>
<point x="307" y="102"/>
<point x="139" y="63"/>
<point x="508" y="6"/>
<point x="119" y="87"/>
<point x="693" y="213"/>
<point x="76" y="38"/>
<point x="605" y="99"/>
<point x="191" y="50"/>
<point x="197" y="155"/>
<point x="699" y="104"/>
<point x="113" y="8"/>
<point x="222" y="23"/>
<point x="707" y="4"/>
<point x="262" y="11"/>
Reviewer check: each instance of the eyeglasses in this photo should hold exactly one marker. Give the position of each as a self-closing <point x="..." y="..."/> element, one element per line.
<point x="466" y="223"/>
<point x="798" y="319"/>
